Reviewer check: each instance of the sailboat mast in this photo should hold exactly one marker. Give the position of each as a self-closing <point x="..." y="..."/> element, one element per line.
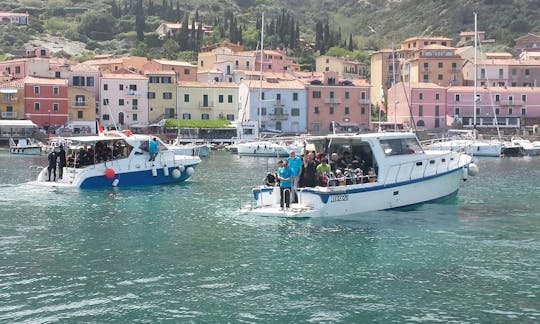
<point x="261" y="75"/>
<point x="475" y="74"/>
<point x="394" y="86"/>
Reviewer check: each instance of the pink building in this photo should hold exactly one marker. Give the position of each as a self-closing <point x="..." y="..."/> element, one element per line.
<point x="274" y="61"/>
<point x="331" y="102"/>
<point x="14" y="69"/>
<point x="124" y="99"/>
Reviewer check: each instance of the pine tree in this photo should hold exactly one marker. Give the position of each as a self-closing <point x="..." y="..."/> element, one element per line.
<point x="351" y="47"/>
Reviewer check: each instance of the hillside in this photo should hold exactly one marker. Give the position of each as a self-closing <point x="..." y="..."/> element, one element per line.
<point x="373" y="24"/>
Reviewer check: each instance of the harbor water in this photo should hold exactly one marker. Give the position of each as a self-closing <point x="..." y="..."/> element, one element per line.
<point x="183" y="253"/>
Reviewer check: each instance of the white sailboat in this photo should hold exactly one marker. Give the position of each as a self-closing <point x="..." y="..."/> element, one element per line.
<point x="250" y="140"/>
<point x="467" y="141"/>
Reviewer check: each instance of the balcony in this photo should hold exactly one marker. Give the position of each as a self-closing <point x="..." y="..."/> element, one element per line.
<point x="206" y="105"/>
<point x="278" y="103"/>
<point x="364" y="101"/>
<point x="8" y="98"/>
<point x="80" y="104"/>
<point x="454" y="70"/>
<point x="9" y="114"/>
<point x="133" y="92"/>
<point x="332" y="100"/>
<point x="279" y="116"/>
<point x="425" y="70"/>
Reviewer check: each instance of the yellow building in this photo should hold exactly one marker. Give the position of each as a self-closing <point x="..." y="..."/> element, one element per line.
<point x="12" y="100"/>
<point x="237" y="60"/>
<point x="81" y="110"/>
<point x="347" y="68"/>
<point x="162" y="93"/>
<point x="207" y="100"/>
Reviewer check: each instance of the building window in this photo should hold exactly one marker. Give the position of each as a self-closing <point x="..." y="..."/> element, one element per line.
<point x="331" y="110"/>
<point x="120" y="102"/>
<point x="514" y="71"/>
<point x="262" y="95"/>
<point x="497" y="111"/>
<point x="55" y="107"/>
<point x="36" y="106"/>
<point x="134" y="104"/>
<point x="220" y="98"/>
<point x="440" y="77"/>
<point x="501" y="73"/>
<point x="363" y="95"/>
<point x="295" y="111"/>
<point x="36" y="90"/>
<point x="151" y="95"/>
<point x="166" y="79"/>
<point x="363" y="110"/>
<point x="420" y="96"/>
<point x="457" y="97"/>
<point x="316" y="127"/>
<point x="263" y="111"/>
<point x="497" y="98"/>
<point x="331" y="94"/>
<point x="440" y="65"/>
<point x="523" y="111"/>
<point x="316" y="95"/>
<point x="121" y="87"/>
<point x="105" y="87"/>
<point x="106" y="117"/>
<point x="202" y="63"/>
<point x="346" y="110"/>
<point x="90" y="81"/>
<point x="186" y="71"/>
<point x="510" y="111"/>
<point x="229" y="98"/>
<point x="295" y="96"/>
<point x="80" y="101"/>
<point x="79" y="114"/>
<point x="524" y="98"/>
<point x="135" y="117"/>
<point x="477" y="111"/>
<point x="78" y="81"/>
<point x="186" y="98"/>
<point x="437" y="96"/>
<point x="186" y="116"/>
<point x="456" y="111"/>
<point x="17" y="69"/>
<point x="153" y="79"/>
<point x="316" y="110"/>
<point x="167" y="95"/>
<point x="56" y="90"/>
<point x="230" y="117"/>
<point x="437" y="111"/>
<point x="420" y="110"/>
<point x="105" y="102"/>
<point x="426" y="78"/>
<point x="347" y="94"/>
<point x="527" y="72"/>
<point x="205" y="116"/>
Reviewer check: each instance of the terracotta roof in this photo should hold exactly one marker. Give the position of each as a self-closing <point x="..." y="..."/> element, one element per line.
<point x="209" y="84"/>
<point x="177" y="63"/>
<point x="19" y="84"/>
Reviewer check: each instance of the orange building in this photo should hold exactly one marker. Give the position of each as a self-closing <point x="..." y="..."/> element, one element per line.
<point x="46" y="101"/>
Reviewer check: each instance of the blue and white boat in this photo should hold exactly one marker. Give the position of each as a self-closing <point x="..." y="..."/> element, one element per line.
<point x="118" y="159"/>
<point x="401" y="173"/>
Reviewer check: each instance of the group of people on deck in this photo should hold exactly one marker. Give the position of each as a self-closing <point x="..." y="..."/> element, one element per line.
<point x="311" y="171"/>
<point x="57" y="159"/>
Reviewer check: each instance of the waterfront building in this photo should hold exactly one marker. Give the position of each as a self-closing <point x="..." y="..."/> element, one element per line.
<point x="162" y="92"/>
<point x="81" y="110"/>
<point x="12" y="100"/>
<point x="382" y="65"/>
<point x="207" y="100"/>
<point x="332" y="102"/>
<point x="124" y="99"/>
<point x="527" y="43"/>
<point x="46" y="101"/>
<point x="282" y="101"/>
<point x="226" y="57"/>
<point x="433" y="63"/>
<point x="14" y="69"/>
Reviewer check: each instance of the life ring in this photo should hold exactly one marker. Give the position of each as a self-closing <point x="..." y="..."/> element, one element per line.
<point x="127" y="132"/>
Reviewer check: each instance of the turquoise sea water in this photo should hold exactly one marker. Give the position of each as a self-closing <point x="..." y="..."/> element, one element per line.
<point x="183" y="253"/>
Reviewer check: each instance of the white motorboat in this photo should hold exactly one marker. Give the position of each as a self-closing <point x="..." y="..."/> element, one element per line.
<point x="193" y="149"/>
<point x="405" y="175"/>
<point x="531" y="148"/>
<point x="118" y="159"/>
<point x="271" y="147"/>
<point x="25" y="146"/>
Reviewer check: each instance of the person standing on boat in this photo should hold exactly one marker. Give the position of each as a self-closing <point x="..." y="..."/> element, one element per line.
<point x="51" y="169"/>
<point x="61" y="161"/>
<point x="308" y="174"/>
<point x="152" y="148"/>
<point x="284" y="175"/>
<point x="295" y="163"/>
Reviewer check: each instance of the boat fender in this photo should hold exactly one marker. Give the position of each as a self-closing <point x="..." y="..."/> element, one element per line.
<point x="109" y="173"/>
<point x="190" y="171"/>
<point x="115" y="183"/>
<point x="176" y="173"/>
<point x="154" y="171"/>
<point x="181" y="168"/>
<point x="464" y="174"/>
<point x="165" y="171"/>
<point x="473" y="169"/>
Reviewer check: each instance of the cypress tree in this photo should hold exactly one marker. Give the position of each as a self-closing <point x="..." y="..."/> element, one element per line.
<point x="139" y="21"/>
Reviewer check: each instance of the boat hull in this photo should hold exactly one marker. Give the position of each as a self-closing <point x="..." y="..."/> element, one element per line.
<point x="267" y="149"/>
<point x="25" y="150"/>
<point x="356" y="199"/>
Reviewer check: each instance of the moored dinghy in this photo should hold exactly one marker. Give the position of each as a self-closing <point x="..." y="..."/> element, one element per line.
<point x="405" y="175"/>
<point x="119" y="159"/>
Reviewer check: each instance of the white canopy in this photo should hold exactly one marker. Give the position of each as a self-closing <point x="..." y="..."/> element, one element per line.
<point x="17" y="124"/>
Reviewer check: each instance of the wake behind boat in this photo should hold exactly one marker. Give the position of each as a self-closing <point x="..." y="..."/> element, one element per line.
<point x="117" y="159"/>
<point x="403" y="175"/>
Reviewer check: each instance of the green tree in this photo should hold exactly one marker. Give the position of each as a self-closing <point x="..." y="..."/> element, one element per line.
<point x="170" y="49"/>
<point x="98" y="25"/>
<point x="139" y="21"/>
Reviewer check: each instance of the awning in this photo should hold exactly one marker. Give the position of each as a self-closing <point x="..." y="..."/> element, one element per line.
<point x="17" y="124"/>
<point x="137" y="126"/>
<point x="347" y="124"/>
<point x="8" y="90"/>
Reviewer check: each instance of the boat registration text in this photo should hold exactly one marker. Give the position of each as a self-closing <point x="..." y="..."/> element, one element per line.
<point x="337" y="198"/>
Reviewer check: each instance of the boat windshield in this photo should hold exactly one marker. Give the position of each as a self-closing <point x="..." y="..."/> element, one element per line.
<point x="401" y="146"/>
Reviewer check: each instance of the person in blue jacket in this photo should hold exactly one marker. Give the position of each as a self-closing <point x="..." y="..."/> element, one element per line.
<point x="295" y="164"/>
<point x="152" y="148"/>
<point x="284" y="175"/>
